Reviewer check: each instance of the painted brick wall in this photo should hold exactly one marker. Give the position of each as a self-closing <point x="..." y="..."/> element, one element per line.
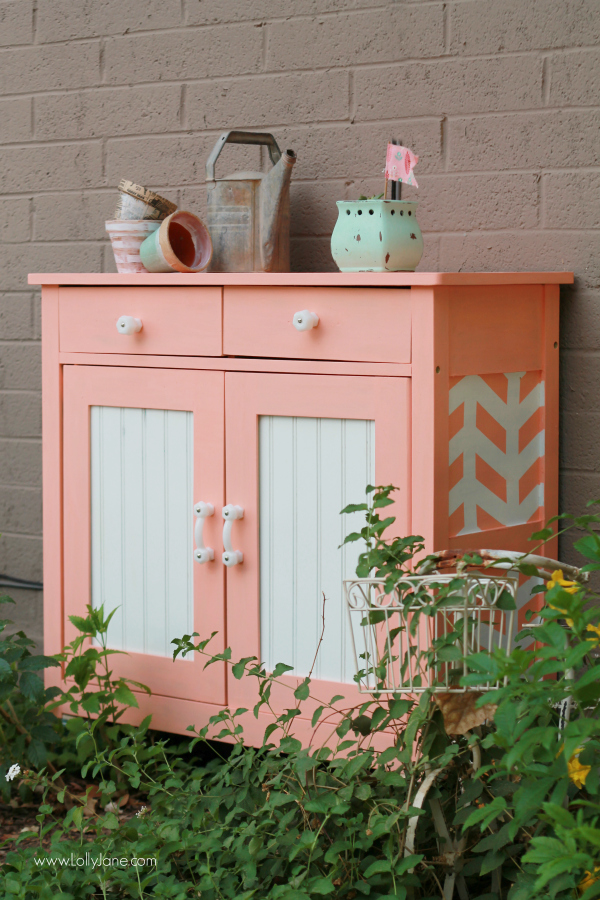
<point x="500" y="99"/>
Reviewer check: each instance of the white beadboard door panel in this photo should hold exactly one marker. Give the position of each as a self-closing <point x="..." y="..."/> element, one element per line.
<point x="142" y="466"/>
<point x="298" y="449"/>
<point x="141" y="447"/>
<point x="309" y="469"/>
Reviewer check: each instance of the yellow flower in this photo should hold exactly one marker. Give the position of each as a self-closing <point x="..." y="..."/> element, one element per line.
<point x="577" y="772"/>
<point x="588" y="880"/>
<point x="596" y="630"/>
<point x="571" y="587"/>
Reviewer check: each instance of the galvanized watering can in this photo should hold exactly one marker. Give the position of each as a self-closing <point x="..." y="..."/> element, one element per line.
<point x="249" y="212"/>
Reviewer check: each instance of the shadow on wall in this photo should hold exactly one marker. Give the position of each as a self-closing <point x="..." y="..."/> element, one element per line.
<point x="26" y="614"/>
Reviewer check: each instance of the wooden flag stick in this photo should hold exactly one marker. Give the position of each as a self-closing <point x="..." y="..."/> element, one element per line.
<point x="385" y="189"/>
<point x="394" y="189"/>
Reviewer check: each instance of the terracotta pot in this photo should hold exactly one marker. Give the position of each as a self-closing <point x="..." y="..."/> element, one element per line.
<point x="181" y="244"/>
<point x="126" y="238"/>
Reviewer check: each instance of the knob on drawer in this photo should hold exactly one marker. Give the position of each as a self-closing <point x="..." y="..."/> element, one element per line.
<point x="305" y="320"/>
<point x="128" y="325"/>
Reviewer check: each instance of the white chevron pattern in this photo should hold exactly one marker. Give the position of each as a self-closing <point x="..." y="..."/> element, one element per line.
<point x="511" y="465"/>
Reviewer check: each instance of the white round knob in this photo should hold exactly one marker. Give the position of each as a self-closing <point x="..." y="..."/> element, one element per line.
<point x="305" y="320"/>
<point x="129" y="325"/>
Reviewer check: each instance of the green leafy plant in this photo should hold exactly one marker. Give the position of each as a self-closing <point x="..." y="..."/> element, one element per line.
<point x="95" y="697"/>
<point x="388" y="801"/>
<point x="27" y="728"/>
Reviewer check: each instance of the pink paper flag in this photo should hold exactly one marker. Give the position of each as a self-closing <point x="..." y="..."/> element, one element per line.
<point x="399" y="164"/>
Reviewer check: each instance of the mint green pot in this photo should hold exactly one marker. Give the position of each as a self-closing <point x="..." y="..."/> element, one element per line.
<point x="377" y="236"/>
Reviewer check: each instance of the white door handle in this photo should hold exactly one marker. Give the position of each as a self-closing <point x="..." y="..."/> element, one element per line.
<point x="202" y="554"/>
<point x="231" y="557"/>
<point x="129" y="325"/>
<point x="305" y="320"/>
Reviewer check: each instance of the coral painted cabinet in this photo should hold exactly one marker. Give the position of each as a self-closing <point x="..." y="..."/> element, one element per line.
<point x="166" y="398"/>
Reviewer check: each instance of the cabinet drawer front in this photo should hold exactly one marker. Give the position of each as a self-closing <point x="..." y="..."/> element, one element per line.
<point x="176" y="321"/>
<point x="359" y="324"/>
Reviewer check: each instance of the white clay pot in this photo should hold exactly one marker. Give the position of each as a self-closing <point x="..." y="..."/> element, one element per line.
<point x="181" y="244"/>
<point x="126" y="238"/>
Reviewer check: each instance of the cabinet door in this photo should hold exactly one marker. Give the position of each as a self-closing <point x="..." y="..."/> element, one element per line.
<point x="298" y="449"/>
<point x="141" y="447"/>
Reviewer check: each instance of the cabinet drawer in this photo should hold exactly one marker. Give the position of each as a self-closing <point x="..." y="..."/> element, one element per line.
<point x="360" y="324"/>
<point x="176" y="321"/>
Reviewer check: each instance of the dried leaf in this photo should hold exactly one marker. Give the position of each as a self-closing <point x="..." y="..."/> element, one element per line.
<point x="459" y="711"/>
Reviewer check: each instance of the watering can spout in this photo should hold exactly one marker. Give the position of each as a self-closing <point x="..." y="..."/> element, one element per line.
<point x="274" y="217"/>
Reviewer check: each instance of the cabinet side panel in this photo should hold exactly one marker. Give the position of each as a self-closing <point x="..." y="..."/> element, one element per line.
<point x="502" y="418"/>
<point x="495" y="329"/>
<point x="310" y="468"/>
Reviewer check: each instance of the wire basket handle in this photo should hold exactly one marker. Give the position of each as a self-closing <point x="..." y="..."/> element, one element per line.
<point x="507" y="559"/>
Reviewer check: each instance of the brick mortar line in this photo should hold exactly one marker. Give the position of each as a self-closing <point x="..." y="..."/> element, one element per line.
<point x="534" y="53"/>
<point x="541" y="198"/>
<point x="454" y="175"/>
<point x="423" y="59"/>
<point x="258" y="21"/>
<point x="99" y="242"/>
<point x="321" y="124"/>
<point x="217" y="80"/>
<point x="24" y="440"/>
<point x="302" y="126"/>
<point x="22" y="487"/>
<point x="31" y="535"/>
<point x="66" y="42"/>
<point x="580" y="352"/>
<point x="405" y="62"/>
<point x="447" y="27"/>
<point x="327" y="234"/>
<point x="546" y="81"/>
<point x="335" y="179"/>
<point x="11" y="391"/>
<point x="34" y="21"/>
<point x="255" y="21"/>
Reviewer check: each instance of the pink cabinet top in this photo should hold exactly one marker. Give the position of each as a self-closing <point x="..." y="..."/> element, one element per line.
<point x="332" y="279"/>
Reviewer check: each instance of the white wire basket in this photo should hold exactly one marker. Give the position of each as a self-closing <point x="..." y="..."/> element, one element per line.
<point x="407" y="642"/>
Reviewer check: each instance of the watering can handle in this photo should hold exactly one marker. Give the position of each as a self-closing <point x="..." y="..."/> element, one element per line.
<point x="241" y="137"/>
